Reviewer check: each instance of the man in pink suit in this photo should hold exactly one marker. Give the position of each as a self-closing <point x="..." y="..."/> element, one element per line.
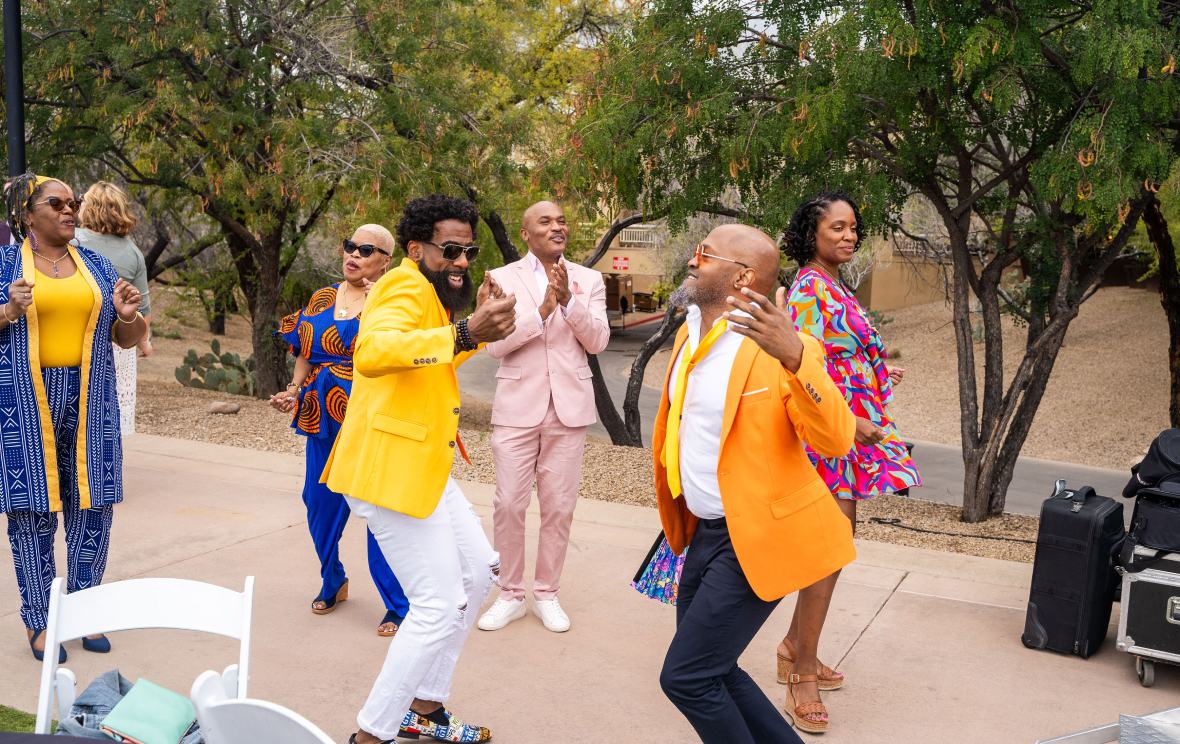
<point x="544" y="402"/>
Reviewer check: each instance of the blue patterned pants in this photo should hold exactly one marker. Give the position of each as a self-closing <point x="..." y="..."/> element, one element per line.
<point x="88" y="531"/>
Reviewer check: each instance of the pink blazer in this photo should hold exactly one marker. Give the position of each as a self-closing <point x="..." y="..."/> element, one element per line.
<point x="536" y="365"/>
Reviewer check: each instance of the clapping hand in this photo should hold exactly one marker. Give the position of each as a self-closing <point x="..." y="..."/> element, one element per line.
<point x="126" y="298"/>
<point x="769" y="325"/>
<point x="559" y="280"/>
<point x="495" y="313"/>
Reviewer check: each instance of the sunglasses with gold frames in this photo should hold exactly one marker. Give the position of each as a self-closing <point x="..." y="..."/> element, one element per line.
<point x="699" y="252"/>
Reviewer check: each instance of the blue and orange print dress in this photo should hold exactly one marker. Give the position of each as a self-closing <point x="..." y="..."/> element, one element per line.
<point x="327" y="344"/>
<point x="822" y="307"/>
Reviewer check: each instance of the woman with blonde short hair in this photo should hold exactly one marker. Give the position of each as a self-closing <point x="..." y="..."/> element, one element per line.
<point x="105" y="220"/>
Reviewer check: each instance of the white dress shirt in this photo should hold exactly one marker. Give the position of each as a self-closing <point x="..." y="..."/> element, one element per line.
<point x="542" y="278"/>
<point x="703" y="415"/>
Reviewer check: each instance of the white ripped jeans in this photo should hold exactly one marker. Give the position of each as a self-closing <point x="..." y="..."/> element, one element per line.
<point x="446" y="567"/>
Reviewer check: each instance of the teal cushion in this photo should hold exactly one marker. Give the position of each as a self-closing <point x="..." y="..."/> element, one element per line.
<point x="150" y="714"/>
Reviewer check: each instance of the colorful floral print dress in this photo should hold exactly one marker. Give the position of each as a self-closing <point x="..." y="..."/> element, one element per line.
<point x="326" y="343"/>
<point x="821" y="306"/>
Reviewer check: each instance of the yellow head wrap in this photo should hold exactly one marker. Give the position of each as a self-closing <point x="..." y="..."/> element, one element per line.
<point x="44" y="179"/>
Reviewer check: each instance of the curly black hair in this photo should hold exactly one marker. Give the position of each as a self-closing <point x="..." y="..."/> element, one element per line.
<point x="798" y="240"/>
<point x="421" y="215"/>
<point x="18" y="208"/>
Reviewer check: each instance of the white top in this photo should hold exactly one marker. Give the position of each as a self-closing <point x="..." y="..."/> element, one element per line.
<point x="703" y="415"/>
<point x="542" y="278"/>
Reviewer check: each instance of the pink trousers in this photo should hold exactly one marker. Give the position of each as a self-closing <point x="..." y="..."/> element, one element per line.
<point x="552" y="452"/>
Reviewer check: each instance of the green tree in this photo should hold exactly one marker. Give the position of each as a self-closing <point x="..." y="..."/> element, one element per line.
<point x="1045" y="123"/>
<point x="268" y="116"/>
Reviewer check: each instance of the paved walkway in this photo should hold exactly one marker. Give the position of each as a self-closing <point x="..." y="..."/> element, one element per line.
<point x="929" y="640"/>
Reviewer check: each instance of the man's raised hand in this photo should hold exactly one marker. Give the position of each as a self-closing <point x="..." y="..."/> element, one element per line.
<point x="769" y="325"/>
<point x="559" y="279"/>
<point x="488" y="289"/>
<point x="495" y="315"/>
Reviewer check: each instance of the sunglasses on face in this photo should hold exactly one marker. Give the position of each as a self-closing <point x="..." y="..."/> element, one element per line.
<point x="699" y="253"/>
<point x="365" y="250"/>
<point x="452" y="251"/>
<point x="59" y="205"/>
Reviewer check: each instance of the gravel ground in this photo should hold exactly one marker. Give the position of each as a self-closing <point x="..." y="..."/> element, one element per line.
<point x="1124" y="395"/>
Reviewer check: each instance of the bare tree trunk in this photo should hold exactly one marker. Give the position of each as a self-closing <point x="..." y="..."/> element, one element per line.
<point x="223" y="304"/>
<point x="1161" y="238"/>
<point x="606" y="407"/>
<point x="672" y="322"/>
<point x="500" y="233"/>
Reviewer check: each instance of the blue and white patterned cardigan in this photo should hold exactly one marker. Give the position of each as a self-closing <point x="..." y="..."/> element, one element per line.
<point x="28" y="452"/>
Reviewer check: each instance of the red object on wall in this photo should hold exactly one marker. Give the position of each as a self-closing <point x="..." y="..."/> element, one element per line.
<point x="620" y="262"/>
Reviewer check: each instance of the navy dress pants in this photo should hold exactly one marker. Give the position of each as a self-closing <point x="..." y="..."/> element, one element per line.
<point x="327" y="513"/>
<point x="717" y="615"/>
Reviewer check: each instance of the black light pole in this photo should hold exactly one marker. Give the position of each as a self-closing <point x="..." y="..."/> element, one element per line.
<point x="14" y="86"/>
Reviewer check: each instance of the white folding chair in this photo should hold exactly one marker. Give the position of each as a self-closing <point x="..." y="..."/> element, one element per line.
<point x="242" y="721"/>
<point x="132" y="605"/>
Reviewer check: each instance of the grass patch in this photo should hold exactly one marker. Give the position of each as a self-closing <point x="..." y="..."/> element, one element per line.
<point x="17" y="721"/>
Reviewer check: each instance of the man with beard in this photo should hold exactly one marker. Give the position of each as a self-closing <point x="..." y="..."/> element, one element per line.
<point x="733" y="478"/>
<point x="393" y="459"/>
<point x="544" y="402"/>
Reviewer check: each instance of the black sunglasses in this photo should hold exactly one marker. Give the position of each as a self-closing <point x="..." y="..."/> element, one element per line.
<point x="452" y="251"/>
<point x="58" y="204"/>
<point x="365" y="250"/>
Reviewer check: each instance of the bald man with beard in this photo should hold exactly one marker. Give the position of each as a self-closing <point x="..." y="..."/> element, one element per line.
<point x="544" y="402"/>
<point x="744" y="391"/>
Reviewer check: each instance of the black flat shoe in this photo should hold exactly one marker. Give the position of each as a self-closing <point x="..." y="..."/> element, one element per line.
<point x="330" y="604"/>
<point x="352" y="740"/>
<point x="40" y="655"/>
<point x="390" y="617"/>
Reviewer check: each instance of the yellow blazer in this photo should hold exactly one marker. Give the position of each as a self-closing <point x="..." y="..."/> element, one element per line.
<point x="397" y="443"/>
<point x="785" y="525"/>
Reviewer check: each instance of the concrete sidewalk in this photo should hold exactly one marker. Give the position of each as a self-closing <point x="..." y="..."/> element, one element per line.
<point x="929" y="641"/>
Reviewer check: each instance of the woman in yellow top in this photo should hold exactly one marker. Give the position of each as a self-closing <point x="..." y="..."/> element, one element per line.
<point x="60" y="451"/>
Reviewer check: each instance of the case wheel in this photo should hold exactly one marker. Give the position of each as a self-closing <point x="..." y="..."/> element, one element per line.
<point x="1145" y="668"/>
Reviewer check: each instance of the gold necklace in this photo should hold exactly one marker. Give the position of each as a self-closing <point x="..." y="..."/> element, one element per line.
<point x="344" y="312"/>
<point x="820" y="266"/>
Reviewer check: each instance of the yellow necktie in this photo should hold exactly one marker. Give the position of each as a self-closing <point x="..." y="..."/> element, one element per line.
<point x="670" y="457"/>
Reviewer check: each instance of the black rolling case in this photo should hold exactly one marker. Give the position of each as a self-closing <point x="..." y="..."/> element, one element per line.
<point x="1074" y="579"/>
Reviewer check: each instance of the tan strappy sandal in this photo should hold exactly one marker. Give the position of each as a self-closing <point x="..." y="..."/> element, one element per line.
<point x="800" y="713"/>
<point x="829" y="679"/>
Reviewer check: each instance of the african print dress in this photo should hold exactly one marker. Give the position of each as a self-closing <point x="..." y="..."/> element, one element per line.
<point x="822" y="307"/>
<point x="326" y="343"/>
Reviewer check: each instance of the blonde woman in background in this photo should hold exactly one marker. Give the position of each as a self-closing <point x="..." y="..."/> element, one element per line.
<point x="105" y="222"/>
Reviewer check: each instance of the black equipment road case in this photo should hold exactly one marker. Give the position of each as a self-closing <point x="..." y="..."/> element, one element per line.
<point x="1073" y="579"/>
<point x="1149" y="615"/>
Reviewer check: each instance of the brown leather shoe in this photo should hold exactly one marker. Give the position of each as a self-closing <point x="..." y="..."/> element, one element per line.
<point x="829" y="679"/>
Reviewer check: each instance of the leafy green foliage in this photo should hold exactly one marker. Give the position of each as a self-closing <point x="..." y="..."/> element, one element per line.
<point x="1040" y="127"/>
<point x="273" y="118"/>
<point x="217" y="371"/>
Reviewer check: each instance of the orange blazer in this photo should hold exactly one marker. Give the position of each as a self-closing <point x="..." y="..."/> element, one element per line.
<point x="785" y="525"/>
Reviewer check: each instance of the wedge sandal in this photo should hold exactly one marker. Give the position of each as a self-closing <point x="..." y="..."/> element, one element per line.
<point x="330" y="604"/>
<point x="829" y="679"/>
<point x="802" y="714"/>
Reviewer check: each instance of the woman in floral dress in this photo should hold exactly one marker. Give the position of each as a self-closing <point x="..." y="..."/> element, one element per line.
<point x="824" y="233"/>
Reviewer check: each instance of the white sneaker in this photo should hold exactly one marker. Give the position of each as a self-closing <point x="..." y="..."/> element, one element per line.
<point x="552" y="615"/>
<point x="501" y="613"/>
